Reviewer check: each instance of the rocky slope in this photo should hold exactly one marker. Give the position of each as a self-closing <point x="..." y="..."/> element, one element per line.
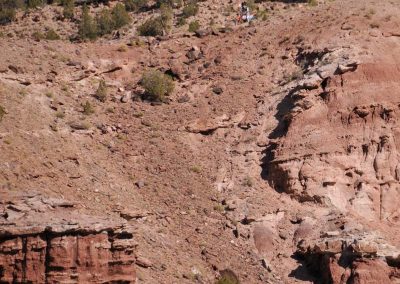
<point x="275" y="158"/>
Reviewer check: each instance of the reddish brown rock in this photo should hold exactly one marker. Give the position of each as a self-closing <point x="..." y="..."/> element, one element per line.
<point x="51" y="248"/>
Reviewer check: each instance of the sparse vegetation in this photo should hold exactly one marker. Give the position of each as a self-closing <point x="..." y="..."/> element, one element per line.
<point x="370" y="13"/>
<point x="313" y="2"/>
<point x="60" y="114"/>
<point x="101" y="93"/>
<point x="190" y="9"/>
<point x="219" y="208"/>
<point x="181" y="21"/>
<point x="135" y="5"/>
<point x="170" y="3"/>
<point x="105" y="23"/>
<point x="195" y="169"/>
<point x="7" y="11"/>
<point x="151" y="27"/>
<point x="228" y="277"/>
<point x="166" y="16"/>
<point x="157" y="85"/>
<point x="248" y="182"/>
<point x="194" y="26"/>
<point x="262" y="14"/>
<point x="122" y="48"/>
<point x="68" y="8"/>
<point x="87" y="27"/>
<point x="87" y="108"/>
<point x="52" y="35"/>
<point x="34" y="3"/>
<point x="158" y="25"/>
<point x="120" y="16"/>
<point x="109" y="20"/>
<point x="37" y="36"/>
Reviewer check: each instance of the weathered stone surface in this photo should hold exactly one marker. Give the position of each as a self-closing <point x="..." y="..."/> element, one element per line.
<point x="59" y="245"/>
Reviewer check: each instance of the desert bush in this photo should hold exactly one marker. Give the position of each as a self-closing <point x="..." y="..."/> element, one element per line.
<point x="181" y="21"/>
<point x="87" y="108"/>
<point x="105" y="22"/>
<point x="157" y="85"/>
<point x="228" y="277"/>
<point x="312" y="2"/>
<point x="135" y="5"/>
<point x="120" y="16"/>
<point x="52" y="35"/>
<point x="8" y="10"/>
<point x="170" y="3"/>
<point x="151" y="27"/>
<point x="166" y="14"/>
<point x="190" y="9"/>
<point x="262" y="14"/>
<point x="194" y="26"/>
<point x="37" y="36"/>
<point x="68" y="8"/>
<point x="7" y="15"/>
<point x="101" y="92"/>
<point x="87" y="27"/>
<point x="34" y="3"/>
<point x="122" y="48"/>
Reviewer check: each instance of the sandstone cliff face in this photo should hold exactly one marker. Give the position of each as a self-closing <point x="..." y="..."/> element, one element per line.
<point x="338" y="139"/>
<point x="47" y="241"/>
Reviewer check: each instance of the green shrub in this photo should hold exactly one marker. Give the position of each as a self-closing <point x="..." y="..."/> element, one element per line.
<point x="120" y="16"/>
<point x="105" y="22"/>
<point x="181" y="21"/>
<point x="87" y="108"/>
<point x="135" y="5"/>
<point x="191" y="9"/>
<point x="228" y="277"/>
<point x="312" y="2"/>
<point x="152" y="27"/>
<point x="170" y="3"/>
<point x="52" y="35"/>
<point x="37" y="36"/>
<point x="157" y="85"/>
<point x="166" y="15"/>
<point x="101" y="93"/>
<point x="34" y="3"/>
<point x="8" y="10"/>
<point x="194" y="26"/>
<point x="87" y="27"/>
<point x="158" y="25"/>
<point x="7" y="15"/>
<point x="68" y="8"/>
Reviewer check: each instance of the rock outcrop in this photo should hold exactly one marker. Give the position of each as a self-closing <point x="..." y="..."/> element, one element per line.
<point x="341" y="251"/>
<point x="336" y="142"/>
<point x="46" y="240"/>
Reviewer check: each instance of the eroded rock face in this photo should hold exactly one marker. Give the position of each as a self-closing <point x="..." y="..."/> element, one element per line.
<point x="337" y="142"/>
<point x="349" y="253"/>
<point x="48" y="241"/>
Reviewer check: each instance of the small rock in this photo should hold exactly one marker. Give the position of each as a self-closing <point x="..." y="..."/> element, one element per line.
<point x="218" y="90"/>
<point x="183" y="99"/>
<point x="194" y="53"/>
<point x="140" y="184"/>
<point x="143" y="262"/>
<point x="203" y="32"/>
<point x="266" y="265"/>
<point x="126" y="98"/>
<point x="347" y="27"/>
